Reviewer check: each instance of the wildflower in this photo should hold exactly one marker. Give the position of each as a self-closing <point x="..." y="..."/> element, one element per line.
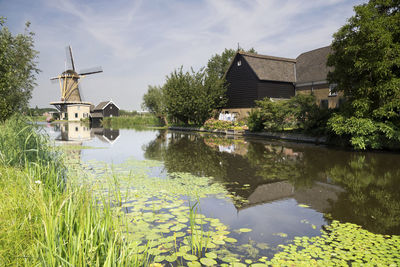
<point x="38" y="182"/>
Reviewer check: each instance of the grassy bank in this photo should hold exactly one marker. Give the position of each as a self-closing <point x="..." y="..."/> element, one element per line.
<point x="47" y="219"/>
<point x="130" y="121"/>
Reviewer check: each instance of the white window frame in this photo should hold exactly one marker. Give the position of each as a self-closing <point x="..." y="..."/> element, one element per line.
<point x="239" y="63"/>
<point x="331" y="88"/>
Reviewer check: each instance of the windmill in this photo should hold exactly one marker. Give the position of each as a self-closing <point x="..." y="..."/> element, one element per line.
<point x="69" y="80"/>
<point x="71" y="105"/>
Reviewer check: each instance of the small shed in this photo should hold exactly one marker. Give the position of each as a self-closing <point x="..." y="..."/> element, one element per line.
<point x="105" y="109"/>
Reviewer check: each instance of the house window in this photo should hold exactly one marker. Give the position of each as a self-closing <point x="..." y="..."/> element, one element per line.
<point x="324" y="103"/>
<point x="332" y="89"/>
<point x="239" y="63"/>
<point x="110" y="107"/>
<point x="76" y="115"/>
<point x="76" y="129"/>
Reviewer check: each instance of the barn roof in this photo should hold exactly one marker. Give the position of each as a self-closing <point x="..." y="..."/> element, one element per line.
<point x="271" y="68"/>
<point x="311" y="65"/>
<point x="104" y="104"/>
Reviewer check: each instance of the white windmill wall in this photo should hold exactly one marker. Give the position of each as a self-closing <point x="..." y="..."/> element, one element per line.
<point x="77" y="112"/>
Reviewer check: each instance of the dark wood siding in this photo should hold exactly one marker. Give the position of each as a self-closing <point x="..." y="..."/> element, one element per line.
<point x="242" y="85"/>
<point x="110" y="109"/>
<point x="275" y="89"/>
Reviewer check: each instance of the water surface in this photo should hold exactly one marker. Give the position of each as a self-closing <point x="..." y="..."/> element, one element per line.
<point x="289" y="189"/>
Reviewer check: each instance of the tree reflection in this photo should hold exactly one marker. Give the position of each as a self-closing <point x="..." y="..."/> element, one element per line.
<point x="370" y="194"/>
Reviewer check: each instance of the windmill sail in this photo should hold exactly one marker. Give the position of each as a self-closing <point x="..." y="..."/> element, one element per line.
<point x="70" y="59"/>
<point x="91" y="71"/>
<point x="69" y="79"/>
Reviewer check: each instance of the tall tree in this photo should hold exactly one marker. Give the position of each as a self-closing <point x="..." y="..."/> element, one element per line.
<point x="17" y="70"/>
<point x="366" y="60"/>
<point x="218" y="64"/>
<point x="192" y="96"/>
<point x="154" y="102"/>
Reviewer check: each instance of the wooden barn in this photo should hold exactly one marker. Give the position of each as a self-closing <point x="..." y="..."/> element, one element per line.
<point x="252" y="77"/>
<point x="104" y="109"/>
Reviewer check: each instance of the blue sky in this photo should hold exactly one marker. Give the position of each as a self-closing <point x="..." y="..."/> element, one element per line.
<point x="140" y="42"/>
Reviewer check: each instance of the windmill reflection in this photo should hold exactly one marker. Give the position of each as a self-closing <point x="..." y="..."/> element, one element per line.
<point x="75" y="133"/>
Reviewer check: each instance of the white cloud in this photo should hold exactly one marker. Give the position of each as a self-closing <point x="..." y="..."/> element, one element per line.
<point x="139" y="42"/>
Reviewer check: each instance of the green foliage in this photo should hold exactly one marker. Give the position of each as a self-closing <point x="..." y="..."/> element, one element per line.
<point x="130" y="121"/>
<point x="17" y="70"/>
<point x="366" y="60"/>
<point x="192" y="96"/>
<point x="341" y="244"/>
<point x="218" y="64"/>
<point x="300" y="112"/>
<point x="365" y="132"/>
<point x="154" y="101"/>
<point x="127" y="113"/>
<point x="273" y="113"/>
<point x="214" y="124"/>
<point x="307" y="115"/>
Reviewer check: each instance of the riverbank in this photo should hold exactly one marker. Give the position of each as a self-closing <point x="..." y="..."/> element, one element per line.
<point x="128" y="122"/>
<point x="47" y="216"/>
<point x="274" y="135"/>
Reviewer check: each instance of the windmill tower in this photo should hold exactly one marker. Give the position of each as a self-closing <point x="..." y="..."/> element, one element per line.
<point x="71" y="106"/>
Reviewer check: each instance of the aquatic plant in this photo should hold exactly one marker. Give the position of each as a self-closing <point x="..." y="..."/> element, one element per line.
<point x="341" y="244"/>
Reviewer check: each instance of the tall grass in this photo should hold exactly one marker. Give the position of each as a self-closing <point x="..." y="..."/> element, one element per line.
<point x="47" y="219"/>
<point x="130" y="121"/>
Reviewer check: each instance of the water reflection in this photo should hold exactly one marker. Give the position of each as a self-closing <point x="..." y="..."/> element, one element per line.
<point x="78" y="132"/>
<point x="351" y="187"/>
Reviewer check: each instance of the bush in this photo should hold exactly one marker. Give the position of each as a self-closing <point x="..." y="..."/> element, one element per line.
<point x="214" y="124"/>
<point x="300" y="112"/>
<point x="364" y="133"/>
<point x="255" y="121"/>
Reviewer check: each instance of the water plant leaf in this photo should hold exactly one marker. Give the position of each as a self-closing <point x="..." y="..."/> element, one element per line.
<point x="230" y="240"/>
<point x="194" y="264"/>
<point x="190" y="257"/>
<point x="171" y="258"/>
<point x="211" y="255"/>
<point x="245" y="230"/>
<point x="208" y="261"/>
<point x="303" y="205"/>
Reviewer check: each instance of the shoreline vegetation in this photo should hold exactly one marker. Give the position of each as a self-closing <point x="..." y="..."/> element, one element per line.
<point x="54" y="212"/>
<point x="128" y="122"/>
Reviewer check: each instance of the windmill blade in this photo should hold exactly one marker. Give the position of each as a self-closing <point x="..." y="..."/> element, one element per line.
<point x="70" y="59"/>
<point x="55" y="79"/>
<point x="91" y="71"/>
<point x="81" y="92"/>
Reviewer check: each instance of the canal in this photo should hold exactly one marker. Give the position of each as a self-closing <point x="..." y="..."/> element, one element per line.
<point x="266" y="192"/>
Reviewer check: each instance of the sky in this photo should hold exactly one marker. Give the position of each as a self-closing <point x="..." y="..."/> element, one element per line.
<point x="138" y="43"/>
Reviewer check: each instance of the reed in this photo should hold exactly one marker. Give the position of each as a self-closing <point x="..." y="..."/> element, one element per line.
<point x="46" y="217"/>
<point x="128" y="122"/>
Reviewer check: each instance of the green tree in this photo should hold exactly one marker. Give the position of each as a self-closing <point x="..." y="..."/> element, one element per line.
<point x="191" y="97"/>
<point x="218" y="64"/>
<point x="366" y="60"/>
<point x="154" y="102"/>
<point x="17" y="70"/>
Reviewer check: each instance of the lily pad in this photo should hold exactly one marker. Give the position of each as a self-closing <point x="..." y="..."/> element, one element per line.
<point x="211" y="255"/>
<point x="208" y="261"/>
<point x="190" y="257"/>
<point x="245" y="230"/>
